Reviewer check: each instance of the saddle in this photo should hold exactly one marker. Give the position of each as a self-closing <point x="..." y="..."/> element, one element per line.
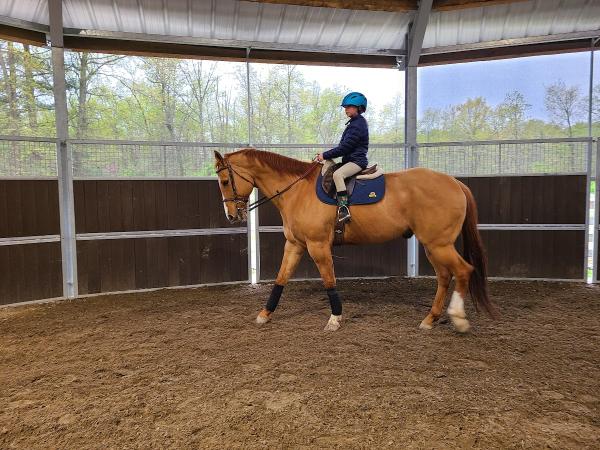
<point x="329" y="186"/>
<point x="366" y="187"/>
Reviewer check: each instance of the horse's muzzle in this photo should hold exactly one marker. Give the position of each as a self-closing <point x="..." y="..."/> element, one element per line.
<point x="242" y="216"/>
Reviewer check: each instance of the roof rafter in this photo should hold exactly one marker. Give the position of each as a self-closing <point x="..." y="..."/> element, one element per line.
<point x="417" y="32"/>
<point x="390" y="5"/>
<point x="451" y="5"/>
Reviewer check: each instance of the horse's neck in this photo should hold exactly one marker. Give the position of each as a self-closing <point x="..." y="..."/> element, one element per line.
<point x="270" y="182"/>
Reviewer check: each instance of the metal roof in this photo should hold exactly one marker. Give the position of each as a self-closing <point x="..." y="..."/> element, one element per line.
<point x="520" y="20"/>
<point x="236" y="23"/>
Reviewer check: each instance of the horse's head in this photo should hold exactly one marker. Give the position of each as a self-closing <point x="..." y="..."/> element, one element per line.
<point x="235" y="188"/>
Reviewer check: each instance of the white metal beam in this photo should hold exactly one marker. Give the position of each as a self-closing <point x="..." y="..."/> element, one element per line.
<point x="414" y="44"/>
<point x="253" y="221"/>
<point x="63" y="154"/>
<point x="411" y="154"/>
<point x="235" y="43"/>
<point x="417" y="32"/>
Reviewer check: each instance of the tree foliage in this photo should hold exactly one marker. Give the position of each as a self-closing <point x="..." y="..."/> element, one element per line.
<point x="116" y="97"/>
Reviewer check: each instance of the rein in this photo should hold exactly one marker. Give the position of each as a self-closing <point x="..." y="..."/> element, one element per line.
<point x="261" y="201"/>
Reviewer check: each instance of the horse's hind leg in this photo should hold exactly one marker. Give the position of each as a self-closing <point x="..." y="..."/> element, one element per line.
<point x="443" y="281"/>
<point x="449" y="258"/>
<point x="292" y="254"/>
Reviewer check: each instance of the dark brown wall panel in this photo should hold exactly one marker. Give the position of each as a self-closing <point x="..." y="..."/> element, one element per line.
<point x="29" y="208"/>
<point x="528" y="254"/>
<point x="530" y="199"/>
<point x="30" y="272"/>
<point x="387" y="259"/>
<point x="268" y="215"/>
<point x="125" y="264"/>
<point x="143" y="205"/>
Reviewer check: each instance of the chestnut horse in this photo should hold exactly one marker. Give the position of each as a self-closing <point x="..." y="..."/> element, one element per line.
<point x="434" y="206"/>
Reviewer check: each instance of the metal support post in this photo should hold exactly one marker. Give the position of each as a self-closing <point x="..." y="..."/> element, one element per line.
<point x="591" y="217"/>
<point x="411" y="156"/>
<point x="596" y="231"/>
<point x="63" y="154"/>
<point x="500" y="158"/>
<point x="253" y="223"/>
<point x="589" y="239"/>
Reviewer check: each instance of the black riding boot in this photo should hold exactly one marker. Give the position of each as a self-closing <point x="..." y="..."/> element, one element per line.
<point x="343" y="214"/>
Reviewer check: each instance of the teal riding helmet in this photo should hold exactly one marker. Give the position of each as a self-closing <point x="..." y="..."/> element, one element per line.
<point x="355" y="99"/>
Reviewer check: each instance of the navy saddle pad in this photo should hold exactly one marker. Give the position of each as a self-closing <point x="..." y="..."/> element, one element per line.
<point x="365" y="192"/>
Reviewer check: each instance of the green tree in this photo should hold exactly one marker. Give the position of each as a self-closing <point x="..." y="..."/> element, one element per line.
<point x="429" y="124"/>
<point x="201" y="79"/>
<point x="472" y="119"/>
<point x="510" y="116"/>
<point x="389" y="122"/>
<point x="86" y="75"/>
<point x="564" y="104"/>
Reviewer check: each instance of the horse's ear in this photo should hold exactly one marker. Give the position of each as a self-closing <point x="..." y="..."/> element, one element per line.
<point x="218" y="156"/>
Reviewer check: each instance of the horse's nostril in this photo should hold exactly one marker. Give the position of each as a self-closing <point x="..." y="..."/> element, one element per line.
<point x="230" y="217"/>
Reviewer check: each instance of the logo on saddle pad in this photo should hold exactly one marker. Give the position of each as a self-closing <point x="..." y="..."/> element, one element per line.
<point x="360" y="191"/>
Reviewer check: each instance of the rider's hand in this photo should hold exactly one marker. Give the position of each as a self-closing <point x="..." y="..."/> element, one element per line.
<point x="319" y="157"/>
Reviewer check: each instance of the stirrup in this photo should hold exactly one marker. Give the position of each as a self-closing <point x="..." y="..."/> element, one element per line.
<point x="343" y="216"/>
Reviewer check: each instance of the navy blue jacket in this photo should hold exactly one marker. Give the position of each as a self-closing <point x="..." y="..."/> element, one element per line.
<point x="354" y="144"/>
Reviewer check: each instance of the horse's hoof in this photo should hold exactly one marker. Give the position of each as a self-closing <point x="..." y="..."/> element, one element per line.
<point x="334" y="323"/>
<point x="263" y="317"/>
<point x="425" y="326"/>
<point x="461" y="324"/>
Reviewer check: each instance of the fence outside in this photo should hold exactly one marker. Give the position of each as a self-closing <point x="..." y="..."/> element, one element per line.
<point x="497" y="158"/>
<point x="27" y="159"/>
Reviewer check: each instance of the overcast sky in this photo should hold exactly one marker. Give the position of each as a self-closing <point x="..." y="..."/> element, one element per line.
<point x="440" y="86"/>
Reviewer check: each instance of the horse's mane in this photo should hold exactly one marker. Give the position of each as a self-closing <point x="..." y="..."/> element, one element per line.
<point x="280" y="163"/>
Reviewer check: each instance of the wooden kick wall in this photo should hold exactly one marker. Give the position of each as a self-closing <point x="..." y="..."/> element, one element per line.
<point x="549" y="199"/>
<point x="33" y="271"/>
<point x="29" y="271"/>
<point x="103" y="206"/>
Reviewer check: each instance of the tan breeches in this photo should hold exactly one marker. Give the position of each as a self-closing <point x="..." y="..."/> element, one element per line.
<point x="340" y="175"/>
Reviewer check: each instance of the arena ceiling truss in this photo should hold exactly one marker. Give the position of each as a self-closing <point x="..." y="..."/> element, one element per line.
<point x="374" y="33"/>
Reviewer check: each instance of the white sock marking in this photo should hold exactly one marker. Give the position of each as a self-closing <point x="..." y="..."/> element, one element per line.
<point x="457" y="306"/>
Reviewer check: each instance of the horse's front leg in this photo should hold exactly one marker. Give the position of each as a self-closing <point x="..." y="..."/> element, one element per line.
<point x="320" y="252"/>
<point x="292" y="254"/>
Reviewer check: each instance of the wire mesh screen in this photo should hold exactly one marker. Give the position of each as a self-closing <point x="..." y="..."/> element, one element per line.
<point x="506" y="158"/>
<point x="389" y="157"/>
<point x="27" y="158"/>
<point x="24" y="157"/>
<point x="139" y="159"/>
<point x="105" y="159"/>
<point x="302" y="152"/>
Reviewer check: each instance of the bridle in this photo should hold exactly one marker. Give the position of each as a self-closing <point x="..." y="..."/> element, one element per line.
<point x="241" y="201"/>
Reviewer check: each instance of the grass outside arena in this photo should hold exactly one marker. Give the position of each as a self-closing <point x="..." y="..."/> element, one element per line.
<point x="190" y="369"/>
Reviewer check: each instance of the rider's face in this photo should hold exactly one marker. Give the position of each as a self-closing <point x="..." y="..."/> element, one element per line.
<point x="351" y="111"/>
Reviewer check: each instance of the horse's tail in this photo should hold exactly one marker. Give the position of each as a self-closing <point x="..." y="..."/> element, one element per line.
<point x="474" y="254"/>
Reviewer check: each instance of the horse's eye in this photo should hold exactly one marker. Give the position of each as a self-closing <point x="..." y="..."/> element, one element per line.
<point x="225" y="182"/>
